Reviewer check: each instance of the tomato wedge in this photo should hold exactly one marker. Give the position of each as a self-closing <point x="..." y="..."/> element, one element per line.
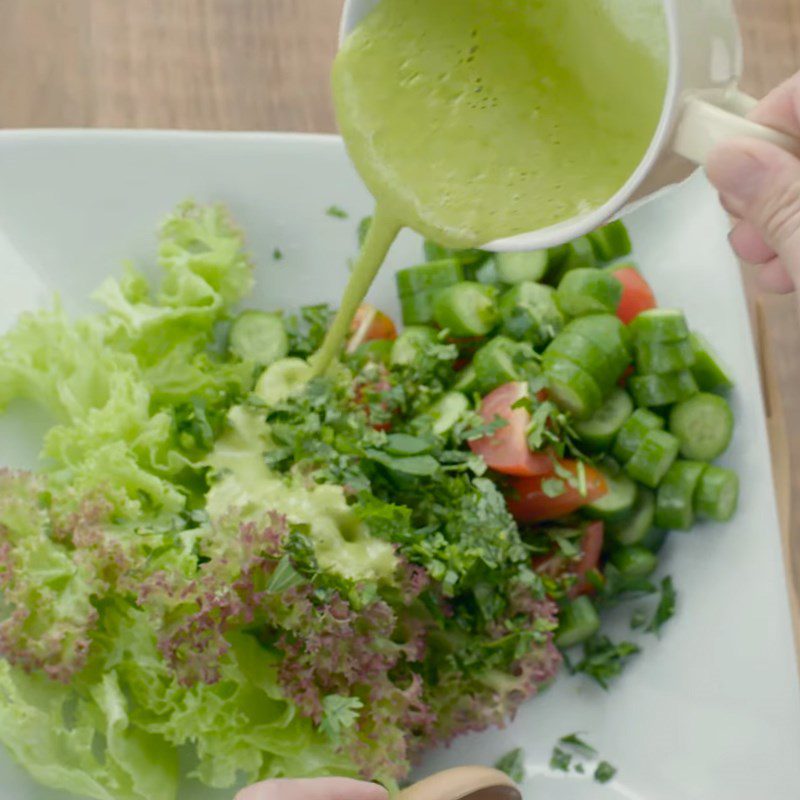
<point x="368" y="325"/>
<point x="528" y="501"/>
<point x="557" y="565"/>
<point x="506" y="450"/>
<point x="637" y="296"/>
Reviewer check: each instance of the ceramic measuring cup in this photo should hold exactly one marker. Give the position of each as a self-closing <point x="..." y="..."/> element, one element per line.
<point x="702" y="107"/>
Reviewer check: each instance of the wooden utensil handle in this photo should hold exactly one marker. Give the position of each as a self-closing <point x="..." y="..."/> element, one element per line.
<point x="463" y="783"/>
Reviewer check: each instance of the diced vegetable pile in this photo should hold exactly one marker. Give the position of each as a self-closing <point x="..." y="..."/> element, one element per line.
<point x="228" y="570"/>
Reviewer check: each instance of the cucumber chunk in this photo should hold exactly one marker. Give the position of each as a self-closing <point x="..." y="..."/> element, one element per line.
<point x="516" y="268"/>
<point x="529" y="313"/>
<point x="618" y="500"/>
<point x="653" y="458"/>
<point x="572" y="388"/>
<point x="708" y="369"/>
<point x="660" y="325"/>
<point x="675" y="498"/>
<point x="259" y="336"/>
<point x="653" y="391"/>
<point x="588" y="291"/>
<point x="632" y="433"/>
<point x="578" y="622"/>
<point x="635" y="526"/>
<point x="703" y="425"/>
<point x="661" y="357"/>
<point x="718" y="494"/>
<point x="601" y="429"/>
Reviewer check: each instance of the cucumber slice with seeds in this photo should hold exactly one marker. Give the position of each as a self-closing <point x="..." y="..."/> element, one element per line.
<point x="634" y="562"/>
<point x="529" y="313"/>
<point x="446" y="412"/>
<point x="703" y="425"/>
<point x="601" y="429"/>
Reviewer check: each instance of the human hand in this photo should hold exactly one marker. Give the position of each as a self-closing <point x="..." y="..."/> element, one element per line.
<point x="314" y="789"/>
<point x="760" y="186"/>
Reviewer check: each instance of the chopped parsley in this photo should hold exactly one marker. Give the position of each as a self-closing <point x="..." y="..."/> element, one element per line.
<point x="577" y="744"/>
<point x="553" y="487"/>
<point x="336" y="211"/>
<point x="666" y="607"/>
<point x="277" y="254"/>
<point x="604" y="660"/>
<point x="604" y="772"/>
<point x="513" y="764"/>
<point x="560" y="760"/>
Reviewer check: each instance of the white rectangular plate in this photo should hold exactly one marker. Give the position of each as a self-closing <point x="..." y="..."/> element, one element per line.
<point x="708" y="712"/>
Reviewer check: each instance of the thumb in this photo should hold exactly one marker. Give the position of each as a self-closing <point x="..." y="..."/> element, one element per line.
<point x="761" y="184"/>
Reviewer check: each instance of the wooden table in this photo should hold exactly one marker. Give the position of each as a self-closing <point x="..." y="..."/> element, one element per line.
<point x="263" y="65"/>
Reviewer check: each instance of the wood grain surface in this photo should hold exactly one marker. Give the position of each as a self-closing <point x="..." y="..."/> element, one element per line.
<point x="264" y="65"/>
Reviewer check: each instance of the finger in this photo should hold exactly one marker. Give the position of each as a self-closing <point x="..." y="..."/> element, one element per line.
<point x="763" y="183"/>
<point x="781" y="107"/>
<point x="749" y="244"/>
<point x="773" y="277"/>
<point x="314" y="789"/>
<point x="728" y="205"/>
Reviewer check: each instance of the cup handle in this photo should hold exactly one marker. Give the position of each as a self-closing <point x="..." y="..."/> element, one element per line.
<point x="703" y="124"/>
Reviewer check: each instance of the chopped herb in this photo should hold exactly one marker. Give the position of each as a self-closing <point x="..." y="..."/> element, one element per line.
<point x="560" y="760"/>
<point x="337" y="211"/>
<point x="604" y="660"/>
<point x="339" y="713"/>
<point x="604" y="772"/>
<point x="638" y="619"/>
<point x="565" y="544"/>
<point x="421" y="466"/>
<point x="578" y="745"/>
<point x="277" y="254"/>
<point x="513" y="764"/>
<point x="665" y="609"/>
<point x="553" y="487"/>
<point x="581" y="469"/>
<point x="476" y="428"/>
<point x="363" y="230"/>
<point x="579" y="768"/>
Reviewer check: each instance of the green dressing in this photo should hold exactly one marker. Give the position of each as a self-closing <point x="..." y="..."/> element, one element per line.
<point x="473" y="120"/>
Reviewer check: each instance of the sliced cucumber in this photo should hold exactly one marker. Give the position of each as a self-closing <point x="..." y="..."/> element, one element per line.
<point x="467" y="258"/>
<point x="632" y="433"/>
<point x="675" y="499"/>
<point x="618" y="500"/>
<point x="655" y="539"/>
<point x="661" y="357"/>
<point x="580" y="255"/>
<point x="429" y="277"/>
<point x="601" y="429"/>
<point x="467" y="380"/>
<point x="586" y="354"/>
<point x="529" y="313"/>
<point x="578" y="622"/>
<point x="633" y="529"/>
<point x="572" y="388"/>
<point x="634" y="562"/>
<point x="447" y="411"/>
<point x="718" y="494"/>
<point x="259" y="336"/>
<point x="608" y="332"/>
<point x="588" y="291"/>
<point x="516" y="268"/>
<point x="466" y="309"/>
<point x="709" y="371"/>
<point x="654" y="391"/>
<point x="407" y="347"/>
<point x="703" y="425"/>
<point x="660" y="325"/>
<point x="653" y="458"/>
<point x="611" y="241"/>
<point x="502" y="360"/>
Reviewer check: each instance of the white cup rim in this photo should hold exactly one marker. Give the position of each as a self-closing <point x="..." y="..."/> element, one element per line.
<point x="578" y="226"/>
